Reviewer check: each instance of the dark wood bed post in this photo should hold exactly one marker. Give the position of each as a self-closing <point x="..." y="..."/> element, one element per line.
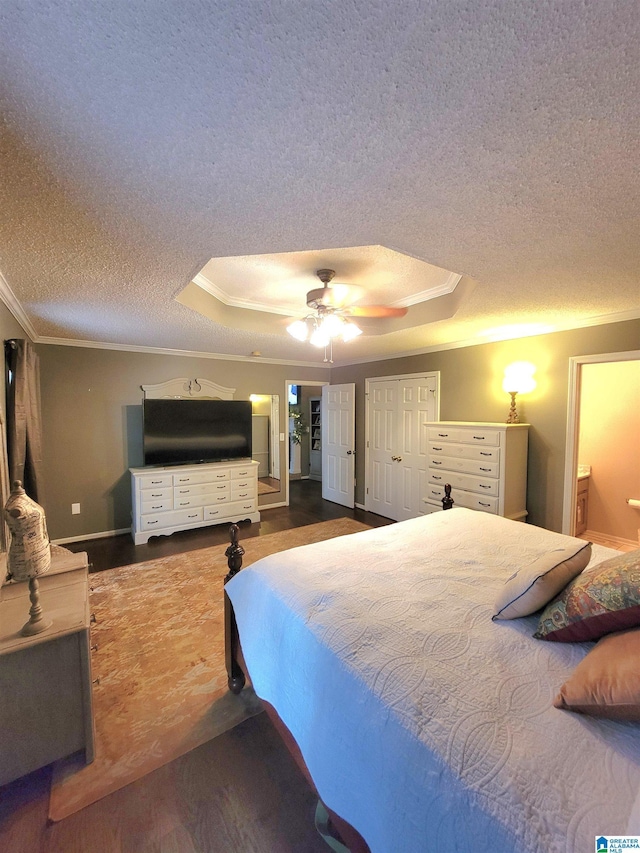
<point x="447" y="500"/>
<point x="236" y="677"/>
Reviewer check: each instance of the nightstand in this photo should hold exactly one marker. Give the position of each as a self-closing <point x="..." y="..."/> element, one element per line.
<point x="45" y="680"/>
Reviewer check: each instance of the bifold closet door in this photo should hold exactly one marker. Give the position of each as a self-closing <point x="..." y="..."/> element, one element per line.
<point x="396" y="475"/>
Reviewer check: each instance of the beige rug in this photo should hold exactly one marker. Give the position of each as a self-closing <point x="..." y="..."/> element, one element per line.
<point x="160" y="661"/>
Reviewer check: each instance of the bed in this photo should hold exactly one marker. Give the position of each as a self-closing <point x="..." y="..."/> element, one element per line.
<point x="425" y="723"/>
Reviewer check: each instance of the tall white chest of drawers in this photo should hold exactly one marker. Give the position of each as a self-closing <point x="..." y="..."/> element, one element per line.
<point x="485" y="464"/>
<point x="182" y="497"/>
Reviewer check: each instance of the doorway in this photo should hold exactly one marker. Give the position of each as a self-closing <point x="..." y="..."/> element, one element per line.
<point x="300" y="462"/>
<point x="602" y="470"/>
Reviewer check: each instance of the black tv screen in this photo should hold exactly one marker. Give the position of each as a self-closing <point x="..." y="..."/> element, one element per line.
<point x="178" y="432"/>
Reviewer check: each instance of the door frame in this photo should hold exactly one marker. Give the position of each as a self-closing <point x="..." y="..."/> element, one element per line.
<point x="285" y="464"/>
<point x="573" y="429"/>
<point x="422" y="373"/>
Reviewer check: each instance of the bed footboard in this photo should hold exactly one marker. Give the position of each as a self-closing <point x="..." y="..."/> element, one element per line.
<point x="235" y="676"/>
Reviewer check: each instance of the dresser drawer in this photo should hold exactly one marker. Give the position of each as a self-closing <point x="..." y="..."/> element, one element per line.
<point x="243" y="472"/>
<point x="466" y="466"/>
<point x="156" y="494"/>
<point x="464" y="451"/>
<point x="468" y="500"/>
<point x="171" y="519"/>
<point x="479" y="436"/>
<point x="204" y="476"/>
<point x="235" y="511"/>
<point x="217" y="497"/>
<point x="243" y="489"/>
<point x="468" y="482"/>
<point x="157" y="504"/>
<point x="182" y="493"/>
<point x="156" y="481"/>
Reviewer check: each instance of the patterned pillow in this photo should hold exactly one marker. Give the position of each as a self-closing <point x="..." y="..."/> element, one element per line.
<point x="599" y="601"/>
<point x="606" y="683"/>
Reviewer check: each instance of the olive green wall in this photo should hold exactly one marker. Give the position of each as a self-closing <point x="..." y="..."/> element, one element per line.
<point x="92" y="416"/>
<point x="471" y="390"/>
<point x="92" y="424"/>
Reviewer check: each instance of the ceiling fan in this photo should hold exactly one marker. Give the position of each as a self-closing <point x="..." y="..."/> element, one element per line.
<point x="334" y="298"/>
<point x="333" y="312"/>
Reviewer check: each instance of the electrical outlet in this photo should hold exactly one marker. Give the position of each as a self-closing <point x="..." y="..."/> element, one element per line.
<point x="75" y="509"/>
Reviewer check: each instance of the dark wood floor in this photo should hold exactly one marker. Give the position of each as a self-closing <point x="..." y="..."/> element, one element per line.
<point x="306" y="506"/>
<point x="239" y="793"/>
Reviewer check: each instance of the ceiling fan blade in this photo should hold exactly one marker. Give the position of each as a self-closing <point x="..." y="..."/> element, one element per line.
<point x="336" y="296"/>
<point x="375" y="311"/>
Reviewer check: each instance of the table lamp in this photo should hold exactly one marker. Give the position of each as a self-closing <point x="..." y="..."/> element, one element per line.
<point x="518" y="379"/>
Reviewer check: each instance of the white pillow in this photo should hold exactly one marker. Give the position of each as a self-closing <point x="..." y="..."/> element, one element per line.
<point x="533" y="586"/>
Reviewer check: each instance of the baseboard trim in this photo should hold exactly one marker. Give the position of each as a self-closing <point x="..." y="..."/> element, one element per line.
<point x="103" y="535"/>
<point x="272" y="506"/>
<point x="608" y="541"/>
<point x="361" y="506"/>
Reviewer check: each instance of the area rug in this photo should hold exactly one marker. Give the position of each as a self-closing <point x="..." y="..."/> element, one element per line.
<point x="160" y="684"/>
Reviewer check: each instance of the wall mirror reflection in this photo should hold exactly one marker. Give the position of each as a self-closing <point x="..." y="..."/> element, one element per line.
<point x="266" y="443"/>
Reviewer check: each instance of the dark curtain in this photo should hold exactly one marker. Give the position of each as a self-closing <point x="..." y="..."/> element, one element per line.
<point x="24" y="434"/>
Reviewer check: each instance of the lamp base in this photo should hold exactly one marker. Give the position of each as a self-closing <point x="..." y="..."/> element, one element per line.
<point x="36" y="623"/>
<point x="30" y="628"/>
<point x="513" y="415"/>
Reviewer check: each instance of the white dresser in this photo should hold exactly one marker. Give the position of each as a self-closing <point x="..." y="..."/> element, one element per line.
<point x="485" y="464"/>
<point x="182" y="497"/>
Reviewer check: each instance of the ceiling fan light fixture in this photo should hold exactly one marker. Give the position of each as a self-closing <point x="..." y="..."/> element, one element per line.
<point x="350" y="331"/>
<point x="332" y="325"/>
<point x="319" y="337"/>
<point x="298" y="330"/>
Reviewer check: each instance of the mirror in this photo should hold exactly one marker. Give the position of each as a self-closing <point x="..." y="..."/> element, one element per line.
<point x="266" y="444"/>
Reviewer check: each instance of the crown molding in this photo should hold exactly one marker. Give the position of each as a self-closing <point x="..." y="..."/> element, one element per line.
<point x="443" y="289"/>
<point x="248" y="304"/>
<point x="601" y="320"/>
<point x="11" y="301"/>
<point x="68" y="342"/>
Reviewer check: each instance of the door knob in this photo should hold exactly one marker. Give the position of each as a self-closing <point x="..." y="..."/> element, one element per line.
<point x="349" y="452"/>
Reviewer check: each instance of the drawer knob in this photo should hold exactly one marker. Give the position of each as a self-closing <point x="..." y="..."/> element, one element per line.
<point x="92" y="619"/>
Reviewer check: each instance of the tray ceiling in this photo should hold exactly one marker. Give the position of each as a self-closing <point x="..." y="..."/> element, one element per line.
<point x="497" y="140"/>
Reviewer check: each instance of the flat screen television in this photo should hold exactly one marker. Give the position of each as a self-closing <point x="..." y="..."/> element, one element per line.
<point x="179" y="432"/>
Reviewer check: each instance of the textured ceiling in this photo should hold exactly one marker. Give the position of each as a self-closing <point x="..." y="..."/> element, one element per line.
<point x="139" y="140"/>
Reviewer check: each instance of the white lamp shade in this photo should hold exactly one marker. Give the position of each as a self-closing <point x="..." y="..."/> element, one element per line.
<point x="518" y="378"/>
<point x="298" y="330"/>
<point x="319" y="338"/>
<point x="350" y="332"/>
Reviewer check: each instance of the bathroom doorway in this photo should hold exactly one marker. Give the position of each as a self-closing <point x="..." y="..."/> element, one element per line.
<point x="602" y="474"/>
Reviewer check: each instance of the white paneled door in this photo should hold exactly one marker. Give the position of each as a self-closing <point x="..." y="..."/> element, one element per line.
<point x="338" y="443"/>
<point x="398" y="410"/>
